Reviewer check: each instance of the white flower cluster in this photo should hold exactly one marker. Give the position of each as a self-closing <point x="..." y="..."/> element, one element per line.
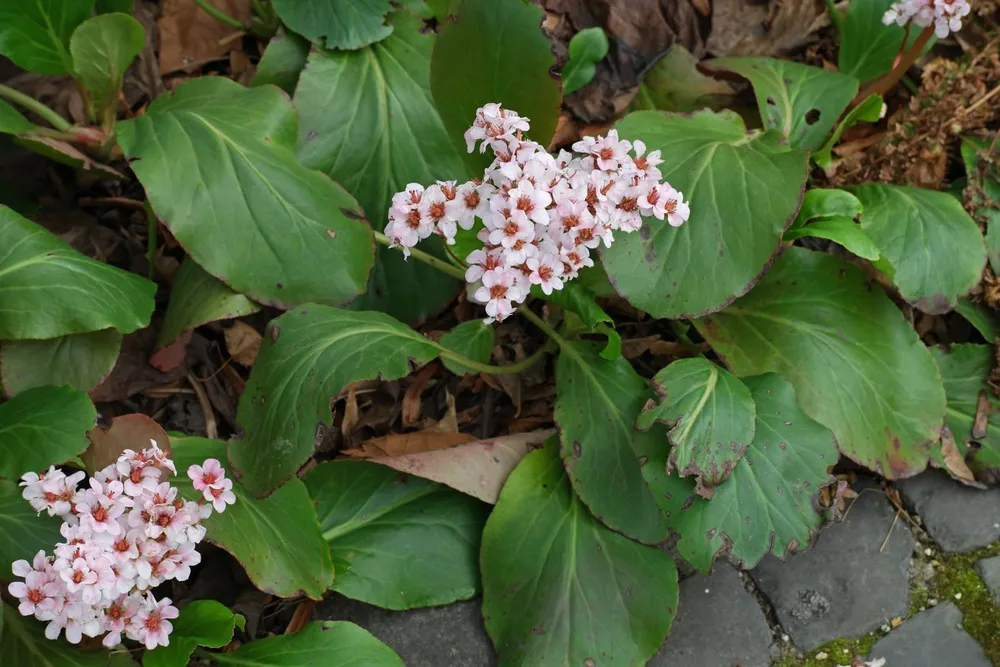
<point x="126" y="534"/>
<point x="945" y="15"/>
<point x="542" y="215"/>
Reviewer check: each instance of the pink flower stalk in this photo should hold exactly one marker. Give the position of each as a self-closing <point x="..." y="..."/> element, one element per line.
<point x="127" y="533"/>
<point x="542" y="215"/>
<point x="945" y="15"/>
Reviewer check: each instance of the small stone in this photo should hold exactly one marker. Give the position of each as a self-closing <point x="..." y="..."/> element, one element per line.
<point x="694" y="638"/>
<point x="958" y="596"/>
<point x="989" y="570"/>
<point x="822" y="655"/>
<point x="933" y="638"/>
<point x="928" y="551"/>
<point x="956" y="516"/>
<point x="885" y="627"/>
<point x="818" y="595"/>
<point x="786" y="638"/>
<point x="932" y="602"/>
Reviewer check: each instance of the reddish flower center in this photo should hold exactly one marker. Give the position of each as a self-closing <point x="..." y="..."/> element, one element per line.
<point x="511" y="228"/>
<point x="35" y="596"/>
<point x="498" y="292"/>
<point x="77" y="576"/>
<point x="472" y="199"/>
<point x="413" y="218"/>
<point x="544" y="272"/>
<point x="153" y="621"/>
<point x="436" y="211"/>
<point x="100" y="514"/>
<point x="629" y="204"/>
<point x="606" y="153"/>
<point x="671" y="206"/>
<point x="525" y="204"/>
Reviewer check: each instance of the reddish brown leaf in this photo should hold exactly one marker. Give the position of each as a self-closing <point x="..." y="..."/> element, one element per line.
<point x="190" y="38"/>
<point x="411" y="399"/>
<point x="478" y="469"/>
<point x="127" y="432"/>
<point x="398" y="444"/>
<point x="954" y="461"/>
<point x="171" y="356"/>
<point x="983" y="410"/>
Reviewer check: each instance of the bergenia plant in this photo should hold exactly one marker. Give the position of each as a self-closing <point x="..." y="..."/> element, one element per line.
<point x="126" y="534"/>
<point x="945" y="16"/>
<point x="542" y="215"/>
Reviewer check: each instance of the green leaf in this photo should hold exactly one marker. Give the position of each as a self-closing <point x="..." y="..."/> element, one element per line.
<point x="109" y="6"/>
<point x="277" y="540"/>
<point x="857" y="366"/>
<point x="965" y="369"/>
<point x="337" y="24"/>
<point x="200" y="623"/>
<point x="711" y="415"/>
<point x="42" y="427"/>
<point x="327" y="643"/>
<point x="577" y="298"/>
<point x="980" y="317"/>
<point x="733" y="233"/>
<point x="216" y="161"/>
<point x="23" y="532"/>
<point x="442" y="9"/>
<point x="826" y="203"/>
<point x="675" y="84"/>
<point x="842" y="230"/>
<point x="282" y="63"/>
<point x="24" y="644"/>
<point x="935" y="247"/>
<point x="102" y="48"/>
<point x="368" y="121"/>
<point x="198" y="298"/>
<point x="12" y="122"/>
<point x="801" y="102"/>
<point x="560" y="589"/>
<point x="478" y="57"/>
<point x="868" y="47"/>
<point x="397" y="542"/>
<point x="597" y="401"/>
<point x="35" y="33"/>
<point x="80" y="294"/>
<point x="767" y="505"/>
<point x="81" y="361"/>
<point x="869" y="111"/>
<point x="473" y="340"/>
<point x="309" y="356"/>
<point x="586" y="49"/>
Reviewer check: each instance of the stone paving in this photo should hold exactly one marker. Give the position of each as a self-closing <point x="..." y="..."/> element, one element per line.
<point x="860" y="580"/>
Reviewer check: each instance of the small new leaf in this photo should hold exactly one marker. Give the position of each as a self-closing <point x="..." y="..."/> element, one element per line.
<point x="102" y="48"/>
<point x="586" y="49"/>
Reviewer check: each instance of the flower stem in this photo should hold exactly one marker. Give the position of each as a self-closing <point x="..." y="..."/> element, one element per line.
<point x="219" y="15"/>
<point x="31" y="104"/>
<point x="546" y="328"/>
<point x="883" y="85"/>
<point x="421" y="256"/>
<point x="490" y="369"/>
<point x="836" y="18"/>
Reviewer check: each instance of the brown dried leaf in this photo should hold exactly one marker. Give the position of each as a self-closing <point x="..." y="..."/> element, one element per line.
<point x="350" y="412"/>
<point x="243" y="343"/>
<point x="478" y="469"/>
<point x="132" y="372"/>
<point x="66" y="153"/>
<point x="411" y="399"/>
<point x="954" y="461"/>
<point x="190" y="38"/>
<point x="127" y="432"/>
<point x="398" y="444"/>
<point x="745" y="28"/>
<point x="983" y="410"/>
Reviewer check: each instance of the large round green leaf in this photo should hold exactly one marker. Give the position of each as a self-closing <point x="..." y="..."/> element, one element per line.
<point x="964" y="372"/>
<point x="200" y="623"/>
<point x="79" y="294"/>
<point x="277" y="540"/>
<point x="495" y="52"/>
<point x="560" y="589"/>
<point x="197" y="297"/>
<point x="397" y="542"/>
<point x="472" y="339"/>
<point x="102" y="48"/>
<point x="743" y="190"/>
<point x="767" y="504"/>
<point x="41" y="427"/>
<point x="217" y="164"/>
<point x="23" y="532"/>
<point x="309" y="356"/>
<point x="23" y="644"/>
<point x="81" y="361"/>
<point x="366" y="118"/>
<point x="337" y="24"/>
<point x="801" y="102"/>
<point x="935" y="247"/>
<point x="35" y="33"/>
<point x="857" y="366"/>
<point x="597" y="402"/>
<point x="327" y="643"/>
<point x="711" y="415"/>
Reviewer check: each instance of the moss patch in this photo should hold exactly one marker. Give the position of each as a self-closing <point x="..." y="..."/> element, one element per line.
<point x="838" y="652"/>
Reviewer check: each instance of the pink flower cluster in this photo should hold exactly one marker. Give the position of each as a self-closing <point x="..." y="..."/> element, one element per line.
<point x="542" y="215"/>
<point x="126" y="534"/>
<point x="945" y="15"/>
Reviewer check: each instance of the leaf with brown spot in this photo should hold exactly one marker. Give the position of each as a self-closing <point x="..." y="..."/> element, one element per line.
<point x="134" y="431"/>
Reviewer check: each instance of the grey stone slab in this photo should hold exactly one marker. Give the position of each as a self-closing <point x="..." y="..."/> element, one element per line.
<point x="448" y="636"/>
<point x="843" y="586"/>
<point x="989" y="570"/>
<point x="718" y="624"/>
<point x="932" y="638"/>
<point x="958" y="517"/>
